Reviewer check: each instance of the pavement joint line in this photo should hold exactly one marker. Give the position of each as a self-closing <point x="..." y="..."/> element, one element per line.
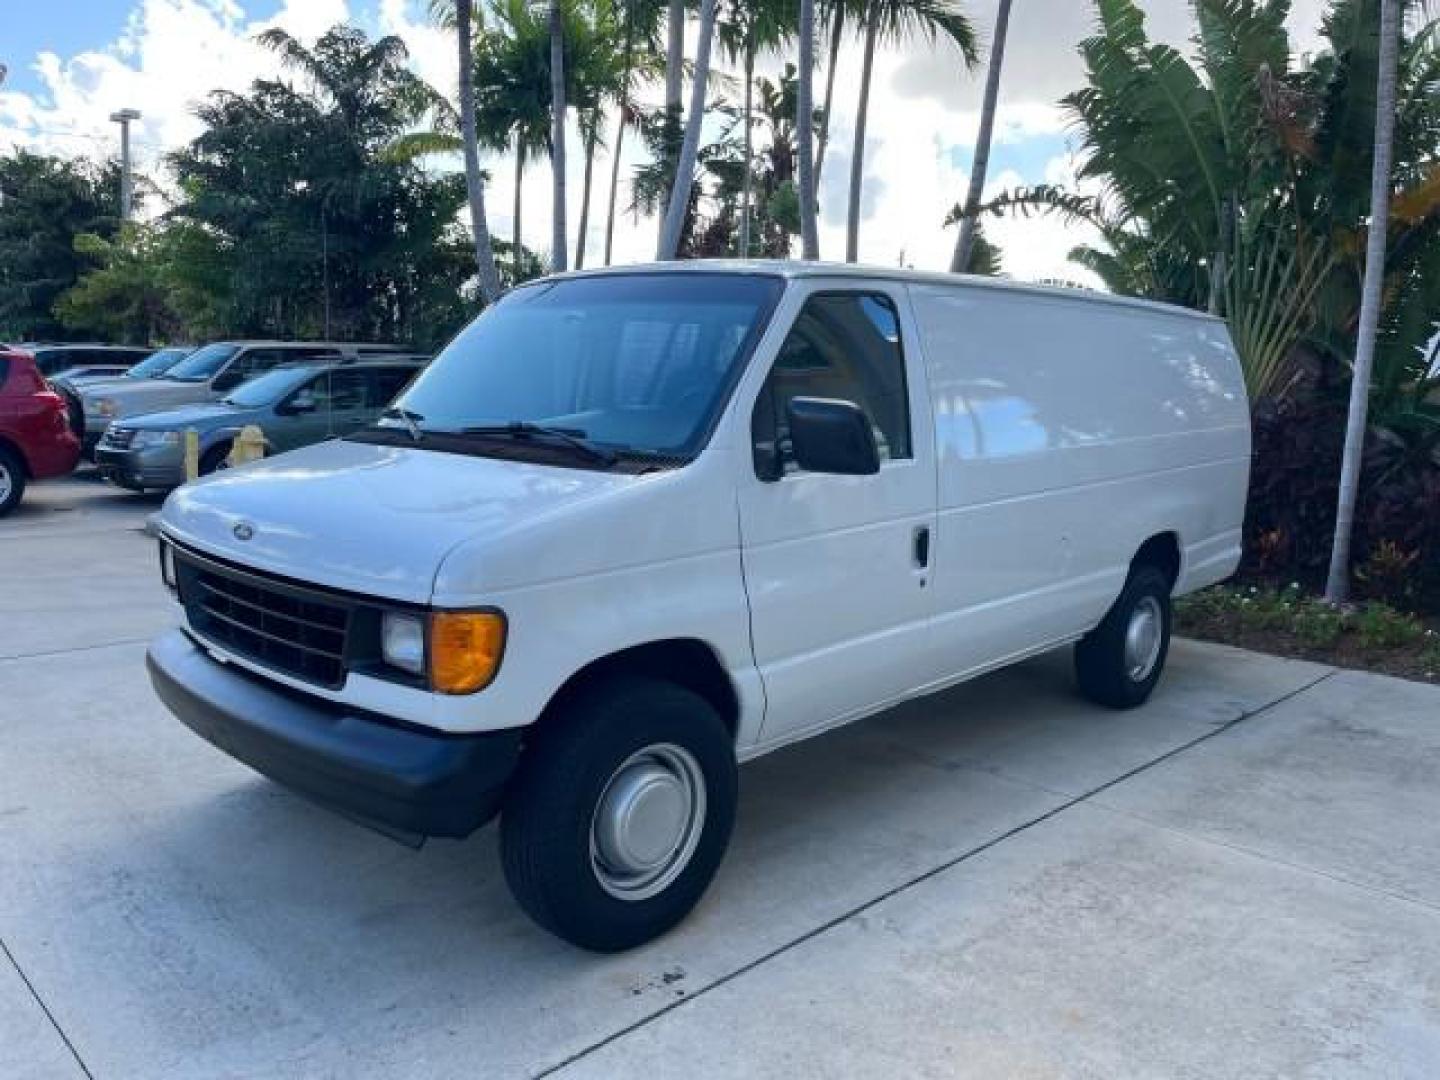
<point x="1276" y="860"/>
<point x="76" y="649"/>
<point x="921" y="878"/>
<point x="74" y="1053"/>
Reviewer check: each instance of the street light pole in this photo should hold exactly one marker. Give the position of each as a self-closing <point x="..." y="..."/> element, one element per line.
<point x="127" y="190"/>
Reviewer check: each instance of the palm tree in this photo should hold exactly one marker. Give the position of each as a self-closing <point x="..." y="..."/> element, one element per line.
<point x="558" y="232"/>
<point x="474" y="181"/>
<point x="641" y="25"/>
<point x="895" y="20"/>
<point x="745" y="29"/>
<point x="805" y="133"/>
<point x="674" y="219"/>
<point x="1337" y="586"/>
<point x="965" y="243"/>
<point x="835" y="14"/>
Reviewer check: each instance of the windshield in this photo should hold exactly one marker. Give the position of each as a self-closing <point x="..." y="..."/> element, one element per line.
<point x="202" y="363"/>
<point x="268" y="388"/>
<point x="157" y="363"/>
<point x="635" y="362"/>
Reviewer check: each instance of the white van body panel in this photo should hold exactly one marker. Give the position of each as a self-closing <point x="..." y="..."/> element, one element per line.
<point x="1053" y="433"/>
<point x="1070" y="432"/>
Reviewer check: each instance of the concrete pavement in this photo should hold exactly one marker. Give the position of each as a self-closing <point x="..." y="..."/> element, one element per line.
<point x="1242" y="878"/>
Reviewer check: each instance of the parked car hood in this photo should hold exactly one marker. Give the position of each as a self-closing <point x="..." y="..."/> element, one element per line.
<point x="148" y="395"/>
<point x="207" y="415"/>
<point x="377" y="520"/>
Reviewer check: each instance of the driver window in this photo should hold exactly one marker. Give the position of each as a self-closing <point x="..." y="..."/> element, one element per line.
<point x="844" y="346"/>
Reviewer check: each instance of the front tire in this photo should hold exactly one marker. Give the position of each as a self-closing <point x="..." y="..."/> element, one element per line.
<point x="620" y="813"/>
<point x="12" y="480"/>
<point x="1120" y="661"/>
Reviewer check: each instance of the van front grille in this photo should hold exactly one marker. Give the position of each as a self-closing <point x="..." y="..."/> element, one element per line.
<point x="298" y="631"/>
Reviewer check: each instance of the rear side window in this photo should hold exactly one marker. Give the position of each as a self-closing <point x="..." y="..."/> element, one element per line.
<point x="4" y="370"/>
<point x="844" y="346"/>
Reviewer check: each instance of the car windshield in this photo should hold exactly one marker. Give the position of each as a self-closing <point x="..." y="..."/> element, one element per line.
<point x="268" y="388"/>
<point x="157" y="363"/>
<point x="202" y="363"/>
<point x="634" y="362"/>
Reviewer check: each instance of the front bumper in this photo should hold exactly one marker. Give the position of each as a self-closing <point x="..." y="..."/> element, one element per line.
<point x="140" y="468"/>
<point x="392" y="777"/>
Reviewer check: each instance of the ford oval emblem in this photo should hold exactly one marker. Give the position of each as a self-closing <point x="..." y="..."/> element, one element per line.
<point x="243" y="530"/>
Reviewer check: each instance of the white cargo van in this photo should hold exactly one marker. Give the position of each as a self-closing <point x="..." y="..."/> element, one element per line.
<point x="635" y="526"/>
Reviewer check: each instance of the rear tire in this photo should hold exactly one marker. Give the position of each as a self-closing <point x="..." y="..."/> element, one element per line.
<point x="620" y="813"/>
<point x="12" y="480"/>
<point x="1120" y="661"/>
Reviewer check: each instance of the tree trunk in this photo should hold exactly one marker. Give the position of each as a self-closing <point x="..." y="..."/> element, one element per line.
<point x="559" y="235"/>
<point x="474" y="182"/>
<point x="965" y="242"/>
<point x="1337" y="587"/>
<point x="585" y="196"/>
<point x="857" y="157"/>
<point x="836" y="32"/>
<point x="614" y="187"/>
<point x="685" y="168"/>
<point x="674" y="84"/>
<point x="519" y="187"/>
<point x="805" y="132"/>
<point x="748" y="182"/>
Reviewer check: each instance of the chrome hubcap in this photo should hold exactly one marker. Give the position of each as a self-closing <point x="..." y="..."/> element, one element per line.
<point x="1142" y="638"/>
<point x="648" y="821"/>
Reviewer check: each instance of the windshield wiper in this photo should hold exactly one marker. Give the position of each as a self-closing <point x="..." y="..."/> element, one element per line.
<point x="524" y="429"/>
<point x="411" y="420"/>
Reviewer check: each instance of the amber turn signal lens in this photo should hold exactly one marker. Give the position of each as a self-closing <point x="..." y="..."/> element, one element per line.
<point x="465" y="650"/>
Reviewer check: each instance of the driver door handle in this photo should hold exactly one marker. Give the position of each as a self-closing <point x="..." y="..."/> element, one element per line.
<point x="922" y="546"/>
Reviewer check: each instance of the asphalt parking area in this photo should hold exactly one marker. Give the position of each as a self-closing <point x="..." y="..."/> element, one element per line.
<point x="1242" y="878"/>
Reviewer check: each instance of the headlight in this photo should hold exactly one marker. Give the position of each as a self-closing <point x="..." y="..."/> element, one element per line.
<point x="155" y="438"/>
<point x="464" y="653"/>
<point x="167" y="566"/>
<point x="106" y="407"/>
<point x="402" y="642"/>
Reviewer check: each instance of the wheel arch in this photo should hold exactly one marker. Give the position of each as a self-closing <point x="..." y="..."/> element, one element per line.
<point x="1163" y="551"/>
<point x="687" y="662"/>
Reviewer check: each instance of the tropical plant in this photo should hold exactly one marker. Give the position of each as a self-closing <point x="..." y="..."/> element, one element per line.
<point x="1337" y="585"/>
<point x="560" y="237"/>
<point x="805" y="132"/>
<point x="673" y="223"/>
<point x="639" y="59"/>
<point x="965" y="242"/>
<point x="1239" y="183"/>
<point x="895" y="21"/>
<point x="474" y="180"/>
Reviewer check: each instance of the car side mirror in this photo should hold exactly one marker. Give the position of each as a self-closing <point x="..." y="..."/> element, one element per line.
<point x="303" y="402"/>
<point x="830" y="436"/>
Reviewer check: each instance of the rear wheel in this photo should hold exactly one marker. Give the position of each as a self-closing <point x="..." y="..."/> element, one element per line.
<point x="1120" y="661"/>
<point x="620" y="814"/>
<point x="12" y="480"/>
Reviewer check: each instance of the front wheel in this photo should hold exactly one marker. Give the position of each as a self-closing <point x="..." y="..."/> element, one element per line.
<point x="620" y="813"/>
<point x="1119" y="662"/>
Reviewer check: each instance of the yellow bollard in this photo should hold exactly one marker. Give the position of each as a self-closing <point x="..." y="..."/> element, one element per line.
<point x="248" y="446"/>
<point x="192" y="454"/>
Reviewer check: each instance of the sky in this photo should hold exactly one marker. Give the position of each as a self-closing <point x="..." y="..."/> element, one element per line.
<point x="73" y="62"/>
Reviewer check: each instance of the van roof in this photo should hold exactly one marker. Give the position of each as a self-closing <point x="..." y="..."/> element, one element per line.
<point x="794" y="269"/>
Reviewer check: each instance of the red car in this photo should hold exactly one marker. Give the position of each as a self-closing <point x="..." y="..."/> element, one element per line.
<point x="35" y="437"/>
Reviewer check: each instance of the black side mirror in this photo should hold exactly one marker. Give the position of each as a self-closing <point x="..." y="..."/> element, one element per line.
<point x="829" y="436"/>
